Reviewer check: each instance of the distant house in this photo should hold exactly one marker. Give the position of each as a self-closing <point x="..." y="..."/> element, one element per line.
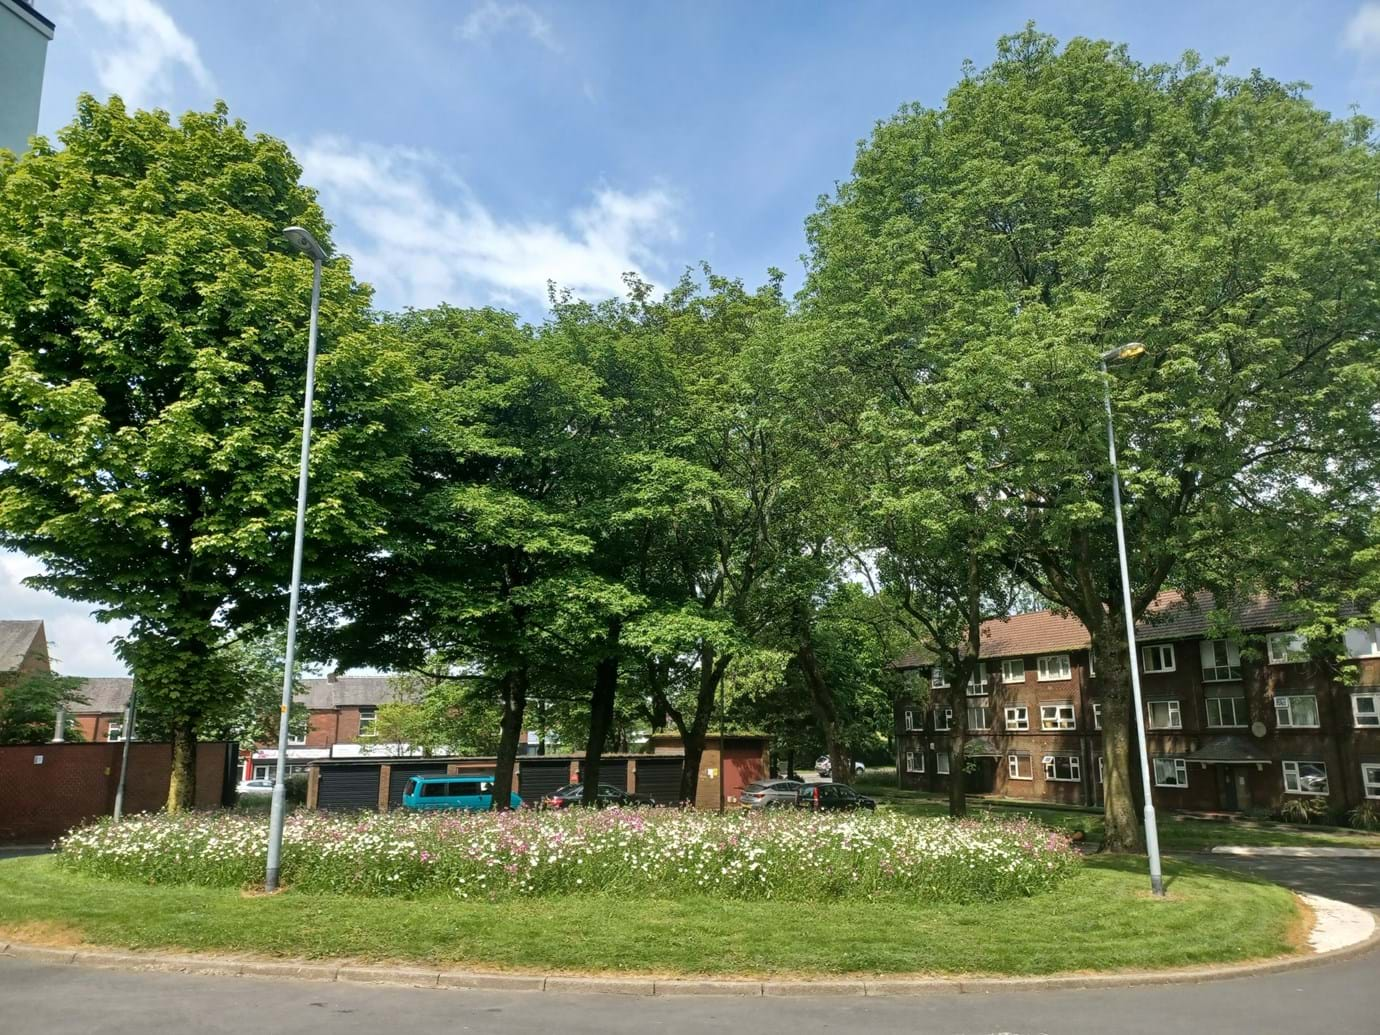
<point x="23" y="649"/>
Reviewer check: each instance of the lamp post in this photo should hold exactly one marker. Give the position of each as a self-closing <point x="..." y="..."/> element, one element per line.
<point x="304" y="242"/>
<point x="1152" y="836"/>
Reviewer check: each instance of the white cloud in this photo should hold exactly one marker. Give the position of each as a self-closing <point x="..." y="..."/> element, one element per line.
<point x="1362" y="33"/>
<point x="419" y="234"/>
<point x="142" y="50"/>
<point x="78" y="644"/>
<point x="492" y="17"/>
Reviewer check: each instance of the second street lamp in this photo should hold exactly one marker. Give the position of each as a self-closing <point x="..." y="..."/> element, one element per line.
<point x="305" y="242"/>
<point x="1152" y="835"/>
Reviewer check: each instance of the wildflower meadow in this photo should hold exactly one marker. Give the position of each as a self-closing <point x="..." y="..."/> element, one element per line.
<point x="647" y="854"/>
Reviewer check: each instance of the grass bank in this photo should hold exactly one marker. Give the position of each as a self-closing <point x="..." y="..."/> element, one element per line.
<point x="1100" y="919"/>
<point x="1177" y="833"/>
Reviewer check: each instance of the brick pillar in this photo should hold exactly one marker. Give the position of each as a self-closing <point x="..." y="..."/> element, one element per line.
<point x="385" y="784"/>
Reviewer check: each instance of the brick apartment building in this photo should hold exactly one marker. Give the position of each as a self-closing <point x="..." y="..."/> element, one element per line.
<point x="1231" y="725"/>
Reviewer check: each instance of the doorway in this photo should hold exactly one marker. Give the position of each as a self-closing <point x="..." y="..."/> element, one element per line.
<point x="1236" y="789"/>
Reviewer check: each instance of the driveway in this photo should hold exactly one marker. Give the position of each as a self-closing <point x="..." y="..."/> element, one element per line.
<point x="1349" y="880"/>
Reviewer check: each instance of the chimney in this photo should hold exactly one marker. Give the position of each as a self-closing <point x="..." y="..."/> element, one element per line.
<point x="331" y="676"/>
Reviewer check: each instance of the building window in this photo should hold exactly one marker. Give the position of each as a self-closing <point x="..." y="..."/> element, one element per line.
<point x="1305" y="777"/>
<point x="943" y="720"/>
<point x="1370" y="779"/>
<point x="1297" y="711"/>
<point x="1097" y="777"/>
<point x="910" y="723"/>
<point x="1018" y="765"/>
<point x="1013" y="670"/>
<point x="1171" y="772"/>
<point x="915" y="761"/>
<point x="977" y="683"/>
<point x="979" y="717"/>
<point x="941" y="763"/>
<point x="1053" y="666"/>
<point x="1097" y="715"/>
<point x="1063" y="768"/>
<point x="264" y="772"/>
<point x="296" y="739"/>
<point x="1365" y="709"/>
<point x="115" y="731"/>
<point x="938" y="680"/>
<point x="1227" y="712"/>
<point x="1221" y="661"/>
<point x="1165" y="715"/>
<point x="1057" y="716"/>
<point x="1158" y="657"/>
<point x="366" y="722"/>
<point x="1286" y="648"/>
<point x="1363" y="642"/>
<point x="1018" y="717"/>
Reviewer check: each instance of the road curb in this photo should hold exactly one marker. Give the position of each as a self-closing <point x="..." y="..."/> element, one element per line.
<point x="1294" y="852"/>
<point x="636" y="985"/>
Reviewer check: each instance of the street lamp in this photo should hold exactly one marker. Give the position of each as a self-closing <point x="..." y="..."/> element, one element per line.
<point x="303" y="241"/>
<point x="1152" y="835"/>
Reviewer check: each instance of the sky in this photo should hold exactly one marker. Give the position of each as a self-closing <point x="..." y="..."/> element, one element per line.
<point x="474" y="151"/>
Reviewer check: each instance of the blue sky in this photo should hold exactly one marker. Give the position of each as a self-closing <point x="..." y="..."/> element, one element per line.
<point x="470" y="151"/>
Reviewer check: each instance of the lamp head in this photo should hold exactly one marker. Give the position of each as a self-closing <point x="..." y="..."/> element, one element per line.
<point x="1130" y="350"/>
<point x="303" y="241"/>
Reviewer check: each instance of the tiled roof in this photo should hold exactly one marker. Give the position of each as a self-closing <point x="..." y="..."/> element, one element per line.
<point x="15" y="640"/>
<point x="1229" y="749"/>
<point x="107" y="695"/>
<point x="1170" y="617"/>
<point x="103" y="695"/>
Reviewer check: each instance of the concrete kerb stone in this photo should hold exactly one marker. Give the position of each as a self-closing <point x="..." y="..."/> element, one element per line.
<point x="638" y="986"/>
<point x="1295" y="852"/>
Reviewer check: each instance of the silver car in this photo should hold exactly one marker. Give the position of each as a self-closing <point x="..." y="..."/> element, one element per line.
<point x="771" y="794"/>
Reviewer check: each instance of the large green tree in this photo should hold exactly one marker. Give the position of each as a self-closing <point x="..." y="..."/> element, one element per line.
<point x="1065" y="201"/>
<point x="152" y="355"/>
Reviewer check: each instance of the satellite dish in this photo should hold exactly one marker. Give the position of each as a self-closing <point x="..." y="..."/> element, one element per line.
<point x="1258" y="729"/>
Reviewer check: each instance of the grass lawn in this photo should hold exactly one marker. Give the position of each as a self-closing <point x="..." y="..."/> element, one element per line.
<point x="1101" y="919"/>
<point x="1177" y="833"/>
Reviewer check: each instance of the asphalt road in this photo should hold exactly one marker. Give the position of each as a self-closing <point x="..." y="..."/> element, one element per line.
<point x="1339" y="999"/>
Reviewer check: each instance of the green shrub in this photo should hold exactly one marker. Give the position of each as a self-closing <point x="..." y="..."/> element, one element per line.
<point x="295" y="789"/>
<point x="1303" y="810"/>
<point x="1365" y="816"/>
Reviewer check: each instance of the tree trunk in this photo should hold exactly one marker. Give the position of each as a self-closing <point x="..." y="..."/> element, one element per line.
<point x="601" y="712"/>
<point x="182" y="782"/>
<point x="510" y="728"/>
<point x="692" y="737"/>
<point x="826" y="714"/>
<point x="1122" y="831"/>
<point x="958" y="747"/>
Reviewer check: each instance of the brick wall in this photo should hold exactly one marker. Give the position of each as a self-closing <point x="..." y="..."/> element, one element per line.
<point x="77" y="782"/>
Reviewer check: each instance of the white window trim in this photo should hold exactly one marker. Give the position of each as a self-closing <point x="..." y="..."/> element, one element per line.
<point x="1017" y="717"/>
<point x="915" y="761"/>
<point x="1175" y="719"/>
<point x="1363" y="641"/>
<point x="1356" y="712"/>
<point x="1051" y="765"/>
<point x="1285" y="768"/>
<point x="1157" y="651"/>
<point x="947" y="717"/>
<point x="938" y="680"/>
<point x="366" y="728"/>
<point x="114" y="732"/>
<point x="1370" y="787"/>
<point x="1207" y="713"/>
<point x="980" y="707"/>
<point x="1289" y="707"/>
<point x="1295" y="648"/>
<point x="1097" y="714"/>
<point x="1013" y="765"/>
<point x="1065" y="716"/>
<point x="1213" y="673"/>
<point x="977" y="682"/>
<point x="1180" y="767"/>
<point x="1043" y="664"/>
<point x="908" y="721"/>
<point x="1007" y="676"/>
<point x="941" y="763"/>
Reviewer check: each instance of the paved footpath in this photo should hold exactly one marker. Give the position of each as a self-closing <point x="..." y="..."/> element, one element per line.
<point x="1339" y="998"/>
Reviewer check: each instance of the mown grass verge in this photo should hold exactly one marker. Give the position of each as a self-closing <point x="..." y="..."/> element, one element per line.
<point x="1102" y="918"/>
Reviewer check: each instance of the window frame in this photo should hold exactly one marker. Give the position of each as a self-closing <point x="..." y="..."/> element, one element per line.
<point x="1175" y="716"/>
<point x="1367" y="636"/>
<point x="1058" y="724"/>
<point x="1370" y="695"/>
<point x="370" y="714"/>
<point x="908" y="721"/>
<point x="911" y="761"/>
<point x="1158" y="649"/>
<point x="941" y="763"/>
<point x="1013" y="765"/>
<point x="1295" y="649"/>
<point x="1006" y="676"/>
<point x="1074" y="766"/>
<point x="1233" y="671"/>
<point x="111" y="736"/>
<point x="1244" y="706"/>
<point x="986" y="707"/>
<point x="938" y="679"/>
<point x="1370" y="788"/>
<point x="977" y="682"/>
<point x="1180" y="771"/>
<point x="1096" y="714"/>
<point x="1042" y="673"/>
<point x="1022" y="723"/>
<point x="948" y="719"/>
<point x="1297" y="773"/>
<point x="1288" y="701"/>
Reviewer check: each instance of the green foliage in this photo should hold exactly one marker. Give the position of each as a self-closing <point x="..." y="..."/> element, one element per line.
<point x="1365" y="816"/>
<point x="1303" y="810"/>
<point x="28" y="708"/>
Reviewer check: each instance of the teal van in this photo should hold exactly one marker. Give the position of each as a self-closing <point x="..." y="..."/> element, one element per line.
<point x="472" y="793"/>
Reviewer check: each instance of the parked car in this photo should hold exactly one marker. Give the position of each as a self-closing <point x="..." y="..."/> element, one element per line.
<point x="574" y="794"/>
<point x="771" y="794"/>
<point x="255" y="787"/>
<point x="832" y="797"/>
<point x="470" y="793"/>
<point x="825" y="766"/>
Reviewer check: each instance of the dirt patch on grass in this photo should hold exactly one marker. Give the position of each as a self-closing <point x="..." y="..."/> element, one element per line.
<point x="42" y="932"/>
<point x="1302" y="927"/>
